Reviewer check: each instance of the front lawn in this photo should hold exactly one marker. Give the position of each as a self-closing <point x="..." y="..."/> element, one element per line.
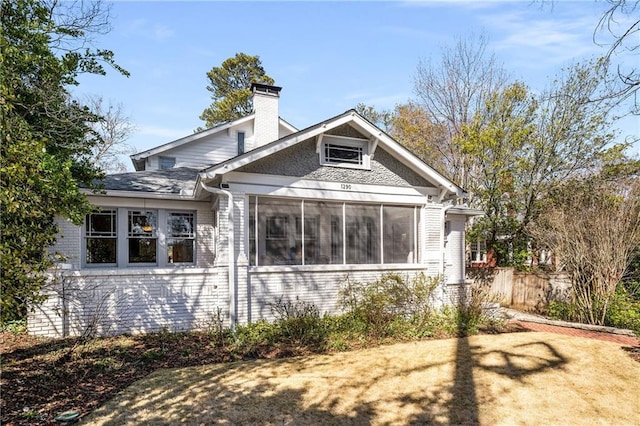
<point x="514" y="378"/>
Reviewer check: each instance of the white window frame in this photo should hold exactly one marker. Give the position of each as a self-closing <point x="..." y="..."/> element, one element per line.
<point x="89" y="234"/>
<point x="122" y="242"/>
<point x="479" y="247"/>
<point x="347" y="142"/>
<point x="185" y="236"/>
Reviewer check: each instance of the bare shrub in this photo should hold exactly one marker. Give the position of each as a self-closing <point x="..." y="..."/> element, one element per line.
<point x="593" y="228"/>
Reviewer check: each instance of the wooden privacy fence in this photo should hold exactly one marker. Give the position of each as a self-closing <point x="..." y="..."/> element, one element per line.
<point x="527" y="291"/>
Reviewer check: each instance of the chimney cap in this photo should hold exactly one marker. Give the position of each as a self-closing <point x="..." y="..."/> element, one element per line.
<point x="265" y="88"/>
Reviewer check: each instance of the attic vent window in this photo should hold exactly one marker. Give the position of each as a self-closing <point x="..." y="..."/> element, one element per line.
<point x="345" y="152"/>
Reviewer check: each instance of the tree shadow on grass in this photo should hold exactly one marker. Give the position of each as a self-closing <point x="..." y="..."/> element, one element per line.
<point x="249" y="392"/>
<point x="514" y="364"/>
<point x="223" y="394"/>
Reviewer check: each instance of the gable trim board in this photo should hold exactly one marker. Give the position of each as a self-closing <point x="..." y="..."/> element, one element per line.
<point x="226" y="275"/>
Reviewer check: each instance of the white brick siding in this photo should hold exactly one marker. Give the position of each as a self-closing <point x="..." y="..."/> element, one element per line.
<point x="131" y="301"/>
<point x="266" y="122"/>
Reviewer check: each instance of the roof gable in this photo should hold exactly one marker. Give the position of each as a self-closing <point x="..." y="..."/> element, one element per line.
<point x="139" y="158"/>
<point x="301" y="160"/>
<point x="358" y="124"/>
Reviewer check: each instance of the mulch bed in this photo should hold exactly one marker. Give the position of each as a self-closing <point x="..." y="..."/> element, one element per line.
<point x="42" y="378"/>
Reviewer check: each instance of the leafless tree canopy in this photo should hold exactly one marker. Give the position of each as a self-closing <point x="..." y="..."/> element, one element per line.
<point x="112" y="129"/>
<point x="453" y="89"/>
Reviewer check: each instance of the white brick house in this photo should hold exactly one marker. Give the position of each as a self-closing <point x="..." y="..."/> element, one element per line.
<point x="223" y="222"/>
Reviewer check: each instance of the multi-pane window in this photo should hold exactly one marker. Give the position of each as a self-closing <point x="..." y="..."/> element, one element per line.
<point x="342" y="154"/>
<point x="181" y="237"/>
<point x="300" y="232"/>
<point x="478" y="251"/>
<point x="101" y="236"/>
<point x="345" y="152"/>
<point x="142" y="236"/>
<point x="122" y="237"/>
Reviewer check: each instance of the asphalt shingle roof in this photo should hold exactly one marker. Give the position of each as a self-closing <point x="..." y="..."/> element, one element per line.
<point x="180" y="180"/>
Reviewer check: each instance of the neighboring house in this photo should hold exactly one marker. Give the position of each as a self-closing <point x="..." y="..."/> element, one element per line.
<point x="218" y="225"/>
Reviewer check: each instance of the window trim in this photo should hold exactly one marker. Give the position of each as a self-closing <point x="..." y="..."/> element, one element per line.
<point x="192" y="237"/>
<point x="479" y="247"/>
<point x="89" y="235"/>
<point x="347" y="142"/>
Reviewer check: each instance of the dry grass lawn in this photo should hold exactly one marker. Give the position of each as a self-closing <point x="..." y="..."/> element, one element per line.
<point x="505" y="379"/>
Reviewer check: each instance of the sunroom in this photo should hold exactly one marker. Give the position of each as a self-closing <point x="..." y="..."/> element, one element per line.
<point x="285" y="231"/>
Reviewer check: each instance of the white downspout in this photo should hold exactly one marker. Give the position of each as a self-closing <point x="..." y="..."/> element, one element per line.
<point x="232" y="254"/>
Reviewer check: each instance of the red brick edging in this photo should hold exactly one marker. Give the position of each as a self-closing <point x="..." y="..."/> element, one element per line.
<point x="569" y="331"/>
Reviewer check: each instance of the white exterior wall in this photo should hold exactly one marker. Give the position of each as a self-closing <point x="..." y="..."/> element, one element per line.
<point x="131" y="301"/>
<point x="118" y="300"/>
<point x="205" y="152"/>
<point x="218" y="147"/>
<point x="317" y="285"/>
<point x="432" y="237"/>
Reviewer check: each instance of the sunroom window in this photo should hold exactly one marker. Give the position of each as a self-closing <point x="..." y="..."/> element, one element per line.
<point x="301" y="232"/>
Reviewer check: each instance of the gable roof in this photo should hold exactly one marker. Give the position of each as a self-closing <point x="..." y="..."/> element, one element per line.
<point x="138" y="158"/>
<point x="348" y="117"/>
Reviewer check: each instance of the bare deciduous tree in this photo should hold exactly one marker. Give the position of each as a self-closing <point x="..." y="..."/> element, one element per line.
<point x="593" y="227"/>
<point x="612" y="31"/>
<point x="453" y="89"/>
<point x="113" y="128"/>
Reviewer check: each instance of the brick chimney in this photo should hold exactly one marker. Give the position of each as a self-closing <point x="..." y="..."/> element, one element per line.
<point x="265" y="107"/>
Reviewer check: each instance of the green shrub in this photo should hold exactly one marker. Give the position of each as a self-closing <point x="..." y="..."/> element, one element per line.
<point x="299" y="321"/>
<point x="250" y="338"/>
<point x="559" y="310"/>
<point x="392" y="306"/>
<point x="624" y="308"/>
<point x="15" y="326"/>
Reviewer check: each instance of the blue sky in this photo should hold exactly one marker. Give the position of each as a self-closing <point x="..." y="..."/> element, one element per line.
<point x="327" y="56"/>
